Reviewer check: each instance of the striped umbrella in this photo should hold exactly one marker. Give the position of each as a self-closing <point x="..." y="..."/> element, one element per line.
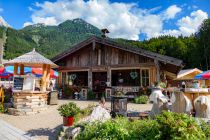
<point x="38" y="72"/>
<point x="8" y="71"/>
<point x="202" y="76"/>
<point x="206" y="75"/>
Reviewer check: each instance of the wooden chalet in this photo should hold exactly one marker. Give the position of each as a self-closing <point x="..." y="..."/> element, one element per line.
<point x="98" y="63"/>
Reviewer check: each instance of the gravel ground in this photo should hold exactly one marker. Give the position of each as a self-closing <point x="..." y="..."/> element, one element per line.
<point x="46" y="124"/>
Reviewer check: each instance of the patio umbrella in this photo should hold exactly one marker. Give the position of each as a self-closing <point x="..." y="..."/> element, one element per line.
<point x="9" y="71"/>
<point x="203" y="76"/>
<point x="5" y="75"/>
<point x="38" y="72"/>
<point x="206" y="75"/>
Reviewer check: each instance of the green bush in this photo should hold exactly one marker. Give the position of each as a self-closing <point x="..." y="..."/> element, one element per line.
<point x="68" y="92"/>
<point x="167" y="126"/>
<point x="141" y="99"/>
<point x="143" y="130"/>
<point x="110" y="130"/>
<point x="178" y="126"/>
<point x="67" y="110"/>
<point x="90" y="95"/>
<point x="1" y="108"/>
<point x="206" y="129"/>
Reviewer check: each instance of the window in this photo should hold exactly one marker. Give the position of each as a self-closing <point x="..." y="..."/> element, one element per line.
<point x="130" y="77"/>
<point x="145" y="77"/>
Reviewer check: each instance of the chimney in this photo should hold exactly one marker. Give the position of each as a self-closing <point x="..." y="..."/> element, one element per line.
<point x="104" y="32"/>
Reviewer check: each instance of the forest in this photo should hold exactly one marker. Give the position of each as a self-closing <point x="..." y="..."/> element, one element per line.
<point x="51" y="40"/>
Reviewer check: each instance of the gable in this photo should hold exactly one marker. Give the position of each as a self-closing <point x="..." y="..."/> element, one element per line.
<point x="166" y="62"/>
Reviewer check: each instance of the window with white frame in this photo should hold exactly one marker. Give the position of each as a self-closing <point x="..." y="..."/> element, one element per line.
<point x="145" y="77"/>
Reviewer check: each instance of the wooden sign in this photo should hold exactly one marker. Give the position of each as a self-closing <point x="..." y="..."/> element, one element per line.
<point x="18" y="83"/>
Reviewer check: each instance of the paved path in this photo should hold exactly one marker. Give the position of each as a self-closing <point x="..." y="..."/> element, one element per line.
<point x="46" y="125"/>
<point x="8" y="132"/>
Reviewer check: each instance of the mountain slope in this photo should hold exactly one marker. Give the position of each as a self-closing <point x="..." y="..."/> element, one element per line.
<point x="3" y="22"/>
<point x="48" y="40"/>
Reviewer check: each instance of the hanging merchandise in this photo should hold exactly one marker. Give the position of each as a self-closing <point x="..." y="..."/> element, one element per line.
<point x="73" y="76"/>
<point x="133" y="75"/>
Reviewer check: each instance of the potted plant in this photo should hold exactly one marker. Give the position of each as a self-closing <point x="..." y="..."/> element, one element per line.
<point x="68" y="111"/>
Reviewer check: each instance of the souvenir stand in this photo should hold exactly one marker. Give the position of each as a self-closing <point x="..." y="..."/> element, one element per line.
<point x="28" y="97"/>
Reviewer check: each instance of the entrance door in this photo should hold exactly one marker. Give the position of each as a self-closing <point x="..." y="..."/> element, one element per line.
<point x="99" y="83"/>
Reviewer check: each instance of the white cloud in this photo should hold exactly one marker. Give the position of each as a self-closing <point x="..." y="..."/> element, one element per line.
<point x="124" y="20"/>
<point x="27" y="24"/>
<point x="188" y="25"/>
<point x="172" y="11"/>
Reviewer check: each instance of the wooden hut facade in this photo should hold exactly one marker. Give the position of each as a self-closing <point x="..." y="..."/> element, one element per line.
<point x="97" y="63"/>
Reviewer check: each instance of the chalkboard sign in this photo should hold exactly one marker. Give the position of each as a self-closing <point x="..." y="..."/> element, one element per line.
<point x="18" y="83"/>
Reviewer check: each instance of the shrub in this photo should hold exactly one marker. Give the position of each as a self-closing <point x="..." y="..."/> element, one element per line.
<point x="68" y="92"/>
<point x="67" y="110"/>
<point x="166" y="126"/>
<point x="206" y="129"/>
<point x="143" y="130"/>
<point x="109" y="130"/>
<point x="141" y="99"/>
<point x="90" y="95"/>
<point x="178" y="126"/>
<point x="1" y="108"/>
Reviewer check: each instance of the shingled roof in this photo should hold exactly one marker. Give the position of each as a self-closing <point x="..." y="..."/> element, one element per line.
<point x="32" y="58"/>
<point x="163" y="58"/>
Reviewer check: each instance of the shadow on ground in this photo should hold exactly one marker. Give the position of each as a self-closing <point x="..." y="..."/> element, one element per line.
<point x="51" y="133"/>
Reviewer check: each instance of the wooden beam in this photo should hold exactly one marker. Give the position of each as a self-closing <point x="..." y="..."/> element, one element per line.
<point x="158" y="69"/>
<point x="48" y="75"/>
<point x="109" y="75"/>
<point x="99" y="56"/>
<point x="21" y="69"/>
<point x="90" y="78"/>
<point x="16" y="69"/>
<point x="44" y="75"/>
<point x="60" y="78"/>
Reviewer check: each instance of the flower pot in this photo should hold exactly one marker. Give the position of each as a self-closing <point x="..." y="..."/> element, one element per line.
<point x="68" y="121"/>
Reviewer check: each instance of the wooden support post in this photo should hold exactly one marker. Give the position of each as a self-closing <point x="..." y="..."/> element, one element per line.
<point x="99" y="56"/>
<point x="2" y="97"/>
<point x="109" y="75"/>
<point x="158" y="69"/>
<point x="16" y="69"/>
<point x="48" y="75"/>
<point x="60" y="78"/>
<point x="44" y="74"/>
<point x="21" y="69"/>
<point x="90" y="78"/>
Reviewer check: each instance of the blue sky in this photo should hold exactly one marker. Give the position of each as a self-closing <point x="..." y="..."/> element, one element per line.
<point x="124" y="18"/>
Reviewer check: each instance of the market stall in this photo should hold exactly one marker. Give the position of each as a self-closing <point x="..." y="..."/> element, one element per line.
<point x="30" y="94"/>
